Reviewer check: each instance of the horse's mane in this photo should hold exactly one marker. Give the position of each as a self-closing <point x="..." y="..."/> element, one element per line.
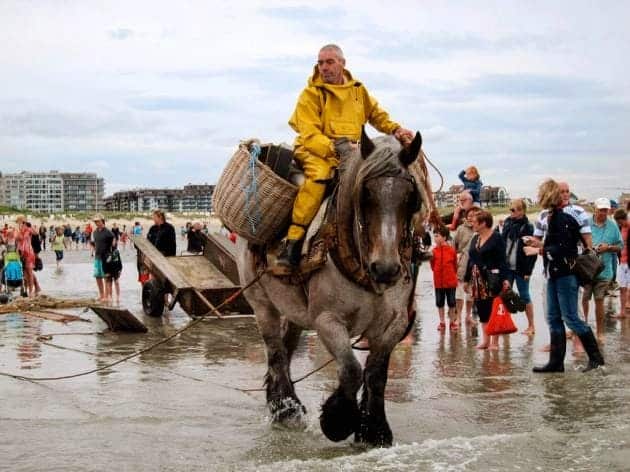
<point x="383" y="161"/>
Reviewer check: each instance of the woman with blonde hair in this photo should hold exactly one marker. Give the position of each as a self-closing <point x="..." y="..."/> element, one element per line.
<point x="472" y="182"/>
<point x="560" y="250"/>
<point x="520" y="265"/>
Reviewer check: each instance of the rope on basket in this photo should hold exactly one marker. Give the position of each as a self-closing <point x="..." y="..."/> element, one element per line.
<point x="252" y="208"/>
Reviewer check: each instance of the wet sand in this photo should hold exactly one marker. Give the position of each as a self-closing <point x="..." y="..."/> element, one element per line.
<point x="179" y="407"/>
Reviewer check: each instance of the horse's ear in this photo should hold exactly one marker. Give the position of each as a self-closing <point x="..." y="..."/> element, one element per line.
<point x="410" y="153"/>
<point x="367" y="146"/>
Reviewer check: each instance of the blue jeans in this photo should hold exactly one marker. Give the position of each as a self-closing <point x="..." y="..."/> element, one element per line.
<point x="522" y="285"/>
<point x="562" y="300"/>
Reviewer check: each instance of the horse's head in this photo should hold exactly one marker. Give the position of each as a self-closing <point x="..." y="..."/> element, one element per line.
<point x="386" y="196"/>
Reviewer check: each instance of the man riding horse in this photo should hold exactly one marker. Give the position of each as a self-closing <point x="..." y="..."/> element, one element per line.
<point x="332" y="106"/>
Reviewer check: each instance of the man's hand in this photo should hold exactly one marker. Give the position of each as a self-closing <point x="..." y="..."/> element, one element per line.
<point x="344" y="146"/>
<point x="404" y="135"/>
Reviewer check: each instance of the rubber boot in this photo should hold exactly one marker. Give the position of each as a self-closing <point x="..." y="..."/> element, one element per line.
<point x="556" y="353"/>
<point x="290" y="254"/>
<point x="595" y="358"/>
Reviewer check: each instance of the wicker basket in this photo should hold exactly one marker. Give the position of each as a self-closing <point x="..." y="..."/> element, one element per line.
<point x="258" y="217"/>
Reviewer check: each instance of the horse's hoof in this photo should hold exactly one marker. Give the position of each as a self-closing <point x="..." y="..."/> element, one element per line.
<point x="289" y="413"/>
<point x="374" y="434"/>
<point x="339" y="417"/>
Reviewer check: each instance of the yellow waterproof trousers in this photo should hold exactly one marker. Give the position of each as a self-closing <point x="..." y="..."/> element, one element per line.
<point x="310" y="195"/>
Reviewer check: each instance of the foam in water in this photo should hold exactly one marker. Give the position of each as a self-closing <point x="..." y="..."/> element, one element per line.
<point x="452" y="454"/>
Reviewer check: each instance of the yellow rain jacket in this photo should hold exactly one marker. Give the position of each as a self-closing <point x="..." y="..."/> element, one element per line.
<point x="325" y="112"/>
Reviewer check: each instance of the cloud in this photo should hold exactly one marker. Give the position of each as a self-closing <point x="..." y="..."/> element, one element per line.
<point x="121" y="33"/>
<point x="513" y="91"/>
<point x="176" y="104"/>
<point x="27" y="118"/>
<point x="535" y="86"/>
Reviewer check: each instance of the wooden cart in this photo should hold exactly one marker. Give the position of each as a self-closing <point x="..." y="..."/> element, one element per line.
<point x="197" y="282"/>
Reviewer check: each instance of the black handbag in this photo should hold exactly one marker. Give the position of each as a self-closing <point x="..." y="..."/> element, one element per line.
<point x="587" y="266"/>
<point x="495" y="284"/>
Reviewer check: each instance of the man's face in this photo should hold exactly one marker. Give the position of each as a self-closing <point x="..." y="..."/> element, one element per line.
<point x="565" y="193"/>
<point x="465" y="201"/>
<point x="99" y="224"/>
<point x="601" y="215"/>
<point x="330" y="67"/>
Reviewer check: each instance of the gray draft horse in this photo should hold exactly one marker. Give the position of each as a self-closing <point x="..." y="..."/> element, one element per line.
<point x="377" y="198"/>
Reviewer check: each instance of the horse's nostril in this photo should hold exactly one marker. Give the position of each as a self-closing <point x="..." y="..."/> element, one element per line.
<point x="384" y="272"/>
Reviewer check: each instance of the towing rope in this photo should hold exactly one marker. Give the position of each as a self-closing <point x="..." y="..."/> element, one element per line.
<point x="214" y="310"/>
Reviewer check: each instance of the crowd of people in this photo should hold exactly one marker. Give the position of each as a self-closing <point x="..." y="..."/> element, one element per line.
<point x="475" y="261"/>
<point x="22" y="242"/>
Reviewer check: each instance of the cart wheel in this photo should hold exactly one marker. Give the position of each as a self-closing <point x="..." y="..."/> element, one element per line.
<point x="153" y="298"/>
<point x="4" y="298"/>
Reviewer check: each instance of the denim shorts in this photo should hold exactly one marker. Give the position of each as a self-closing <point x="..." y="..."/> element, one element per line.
<point x="522" y="286"/>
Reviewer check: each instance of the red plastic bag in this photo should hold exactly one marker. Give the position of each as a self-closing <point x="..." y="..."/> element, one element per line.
<point x="500" y="319"/>
<point x="144" y="277"/>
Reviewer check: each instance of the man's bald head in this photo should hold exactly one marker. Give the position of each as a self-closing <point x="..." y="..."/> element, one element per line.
<point x="334" y="48"/>
<point x="331" y="64"/>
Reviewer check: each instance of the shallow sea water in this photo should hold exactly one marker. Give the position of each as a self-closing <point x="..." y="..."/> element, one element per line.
<point x="178" y="407"/>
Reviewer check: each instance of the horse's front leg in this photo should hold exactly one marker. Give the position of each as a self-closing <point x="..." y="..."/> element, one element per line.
<point x="284" y="405"/>
<point x="374" y="429"/>
<point x="340" y="412"/>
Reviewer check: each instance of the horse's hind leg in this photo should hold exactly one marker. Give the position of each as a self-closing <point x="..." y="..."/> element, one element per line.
<point x="284" y="405"/>
<point x="340" y="413"/>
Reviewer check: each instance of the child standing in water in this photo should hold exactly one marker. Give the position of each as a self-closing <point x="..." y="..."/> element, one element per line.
<point x="444" y="266"/>
<point x="472" y="182"/>
<point x="57" y="245"/>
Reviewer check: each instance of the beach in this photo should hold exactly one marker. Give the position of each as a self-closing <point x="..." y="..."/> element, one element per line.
<point x="186" y="405"/>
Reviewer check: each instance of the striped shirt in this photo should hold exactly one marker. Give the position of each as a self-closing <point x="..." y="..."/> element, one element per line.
<point x="576" y="211"/>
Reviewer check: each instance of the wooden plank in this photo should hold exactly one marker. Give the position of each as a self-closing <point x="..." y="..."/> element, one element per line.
<point x="53" y="316"/>
<point x="199" y="272"/>
<point x="220" y="251"/>
<point x="156" y="262"/>
<point x="119" y="319"/>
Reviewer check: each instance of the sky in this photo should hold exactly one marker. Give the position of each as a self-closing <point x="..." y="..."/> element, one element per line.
<point x="158" y="94"/>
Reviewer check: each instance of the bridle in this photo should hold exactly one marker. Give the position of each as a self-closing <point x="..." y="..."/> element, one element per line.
<point x="406" y="241"/>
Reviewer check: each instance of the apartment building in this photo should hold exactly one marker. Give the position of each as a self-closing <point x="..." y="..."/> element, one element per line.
<point x="191" y="198"/>
<point x="52" y="192"/>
